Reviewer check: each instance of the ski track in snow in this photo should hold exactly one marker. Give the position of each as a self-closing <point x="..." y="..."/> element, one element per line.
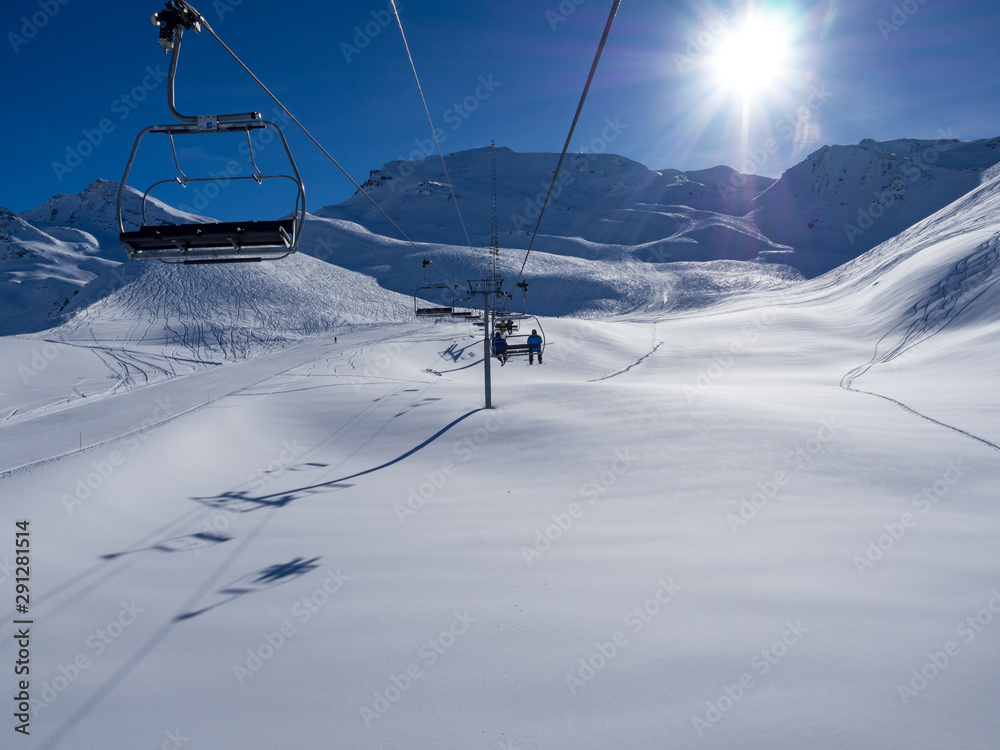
<point x="654" y="343"/>
<point x="969" y="280"/>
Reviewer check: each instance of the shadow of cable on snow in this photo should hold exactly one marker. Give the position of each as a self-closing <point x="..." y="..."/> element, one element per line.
<point x="186" y="543"/>
<point x="247" y="584"/>
<point x="242" y="502"/>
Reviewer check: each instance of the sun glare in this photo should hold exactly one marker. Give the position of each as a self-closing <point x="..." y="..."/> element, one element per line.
<point x="753" y="58"/>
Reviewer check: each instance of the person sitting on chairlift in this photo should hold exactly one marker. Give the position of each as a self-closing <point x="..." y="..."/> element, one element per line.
<point x="534" y="347"/>
<point x="500" y="348"/>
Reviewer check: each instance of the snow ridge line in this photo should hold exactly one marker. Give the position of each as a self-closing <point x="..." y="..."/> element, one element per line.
<point x="935" y="314"/>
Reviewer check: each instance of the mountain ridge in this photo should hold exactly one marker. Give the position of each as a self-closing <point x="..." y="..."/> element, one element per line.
<point x="617" y="236"/>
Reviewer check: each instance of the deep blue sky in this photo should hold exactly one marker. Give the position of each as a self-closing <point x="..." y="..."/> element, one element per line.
<point x="939" y="72"/>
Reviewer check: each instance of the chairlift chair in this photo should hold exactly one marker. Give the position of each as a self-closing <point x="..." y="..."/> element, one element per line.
<point x="423" y="305"/>
<point x="221" y="242"/>
<point x="464" y="308"/>
<point x="427" y="309"/>
<point x="517" y="327"/>
<point x="517" y="343"/>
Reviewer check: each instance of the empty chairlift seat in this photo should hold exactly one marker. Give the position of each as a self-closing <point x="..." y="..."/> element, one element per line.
<point x="425" y="307"/>
<point x="248" y="240"/>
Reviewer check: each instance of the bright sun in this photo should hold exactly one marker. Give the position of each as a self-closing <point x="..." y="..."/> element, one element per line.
<point x="753" y="58"/>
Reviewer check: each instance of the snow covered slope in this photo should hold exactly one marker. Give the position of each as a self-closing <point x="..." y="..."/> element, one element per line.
<point x="144" y="322"/>
<point x="771" y="524"/>
<point x="227" y="312"/>
<point x="49" y="253"/>
<point x="605" y="280"/>
<point x="40" y="271"/>
<point x="932" y="293"/>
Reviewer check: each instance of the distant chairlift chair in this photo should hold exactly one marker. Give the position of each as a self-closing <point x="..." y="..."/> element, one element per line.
<point x="424" y="305"/>
<point x="426" y="309"/>
<point x="517" y="327"/>
<point x="226" y="242"/>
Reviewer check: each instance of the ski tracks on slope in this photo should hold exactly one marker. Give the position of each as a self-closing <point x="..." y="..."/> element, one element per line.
<point x="654" y="344"/>
<point x="969" y="279"/>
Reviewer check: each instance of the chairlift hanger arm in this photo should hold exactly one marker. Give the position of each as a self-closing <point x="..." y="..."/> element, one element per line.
<point x="177" y="16"/>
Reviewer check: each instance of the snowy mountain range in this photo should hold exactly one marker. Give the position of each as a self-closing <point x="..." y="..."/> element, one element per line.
<point x="616" y="237"/>
<point x="836" y="204"/>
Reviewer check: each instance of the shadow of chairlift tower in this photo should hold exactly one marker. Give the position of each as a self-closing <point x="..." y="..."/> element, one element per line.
<point x="259" y="580"/>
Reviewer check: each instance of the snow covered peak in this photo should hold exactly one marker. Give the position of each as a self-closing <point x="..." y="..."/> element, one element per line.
<point x="11" y="225"/>
<point x="94" y="211"/>
<point x="94" y="207"/>
<point x="843" y="200"/>
<point x="870" y="165"/>
<point x="587" y="201"/>
<point x="49" y="253"/>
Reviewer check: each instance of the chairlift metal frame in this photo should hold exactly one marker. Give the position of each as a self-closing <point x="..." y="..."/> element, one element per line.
<point x="452" y="305"/>
<point x="464" y="308"/>
<point x="424" y="308"/>
<point x="221" y="242"/>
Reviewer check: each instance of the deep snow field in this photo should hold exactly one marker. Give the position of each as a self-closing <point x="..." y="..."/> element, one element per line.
<point x="767" y="524"/>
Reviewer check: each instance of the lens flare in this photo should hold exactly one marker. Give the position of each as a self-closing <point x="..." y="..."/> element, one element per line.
<point x="753" y="58"/>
